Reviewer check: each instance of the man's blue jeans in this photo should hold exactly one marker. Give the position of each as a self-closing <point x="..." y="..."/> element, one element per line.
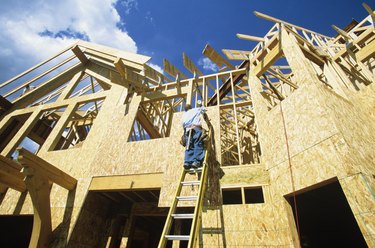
<point x="194" y="154"/>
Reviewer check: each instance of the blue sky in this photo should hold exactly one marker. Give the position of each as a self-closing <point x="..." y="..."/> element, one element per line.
<point x="31" y="31"/>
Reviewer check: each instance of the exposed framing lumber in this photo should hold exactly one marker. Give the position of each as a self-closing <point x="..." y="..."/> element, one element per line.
<point x="53" y="174"/>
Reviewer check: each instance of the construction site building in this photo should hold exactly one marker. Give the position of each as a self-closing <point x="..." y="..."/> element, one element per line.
<point x="90" y="152"/>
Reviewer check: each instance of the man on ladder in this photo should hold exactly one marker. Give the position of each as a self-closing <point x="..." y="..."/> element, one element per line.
<point x="194" y="135"/>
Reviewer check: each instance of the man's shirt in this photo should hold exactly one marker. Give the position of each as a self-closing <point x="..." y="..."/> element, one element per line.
<point x="192" y="118"/>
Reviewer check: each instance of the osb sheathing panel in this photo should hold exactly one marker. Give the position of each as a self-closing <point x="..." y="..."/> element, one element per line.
<point x="366" y="99"/>
<point x="174" y="166"/>
<point x="307" y="122"/>
<point x="317" y="164"/>
<point x="245" y="175"/>
<point x="359" y="190"/>
<point x="244" y="225"/>
<point x="357" y="129"/>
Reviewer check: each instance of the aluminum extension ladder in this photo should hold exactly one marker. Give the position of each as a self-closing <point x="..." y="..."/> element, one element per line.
<point x="196" y="216"/>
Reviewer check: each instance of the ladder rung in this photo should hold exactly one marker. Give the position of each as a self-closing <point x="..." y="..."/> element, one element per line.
<point x="177" y="237"/>
<point x="192" y="170"/>
<point x="187" y="198"/>
<point x="183" y="216"/>
<point x="191" y="183"/>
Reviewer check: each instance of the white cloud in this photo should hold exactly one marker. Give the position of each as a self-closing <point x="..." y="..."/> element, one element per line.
<point x="22" y="22"/>
<point x="156" y="67"/>
<point x="129" y="5"/>
<point x="208" y="65"/>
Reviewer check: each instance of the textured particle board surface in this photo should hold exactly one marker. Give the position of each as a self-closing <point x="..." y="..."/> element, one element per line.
<point x="245" y="174"/>
<point x="255" y="224"/>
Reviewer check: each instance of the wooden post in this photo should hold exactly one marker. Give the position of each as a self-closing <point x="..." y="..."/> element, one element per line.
<point x="236" y="121"/>
<point x="56" y="133"/>
<point x="39" y="189"/>
<point x="189" y="97"/>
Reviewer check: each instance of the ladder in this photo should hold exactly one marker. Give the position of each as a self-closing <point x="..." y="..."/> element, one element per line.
<point x="196" y="216"/>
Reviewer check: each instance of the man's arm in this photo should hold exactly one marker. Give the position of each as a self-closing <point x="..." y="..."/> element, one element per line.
<point x="205" y="118"/>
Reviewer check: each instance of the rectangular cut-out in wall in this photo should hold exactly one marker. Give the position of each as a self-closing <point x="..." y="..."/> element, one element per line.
<point x="15" y="230"/>
<point x="79" y="125"/>
<point x="232" y="196"/>
<point x="253" y="195"/>
<point x="242" y="195"/>
<point x="325" y="218"/>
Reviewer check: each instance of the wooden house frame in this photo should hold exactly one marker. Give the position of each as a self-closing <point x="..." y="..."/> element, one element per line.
<point x="295" y="115"/>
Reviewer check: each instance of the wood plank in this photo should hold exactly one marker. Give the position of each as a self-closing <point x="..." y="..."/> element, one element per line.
<point x="11" y="167"/>
<point x="215" y="57"/>
<point x="46" y="87"/>
<point x="268" y="60"/>
<point x="172" y="70"/>
<point x="167" y="94"/>
<point x="236" y="54"/>
<point x="189" y="64"/>
<point x="131" y="57"/>
<point x="273" y="19"/>
<point x="11" y="181"/>
<point x="80" y="55"/>
<point x="250" y="37"/>
<point x="366" y="52"/>
<point x="127" y="182"/>
<point x="147" y="125"/>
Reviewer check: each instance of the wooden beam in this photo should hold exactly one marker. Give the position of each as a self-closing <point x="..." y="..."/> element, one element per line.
<point x="366" y="52"/>
<point x="189" y="64"/>
<point x="167" y="94"/>
<point x="236" y="54"/>
<point x="46" y="87"/>
<point x="226" y="87"/>
<point x="172" y="70"/>
<point x="268" y="60"/>
<point x="27" y="159"/>
<point x="11" y="167"/>
<point x="11" y="181"/>
<point x="250" y="37"/>
<point x="215" y="57"/>
<point x="155" y="75"/>
<point x="369" y="10"/>
<point x="273" y="19"/>
<point x="71" y="85"/>
<point x="80" y="55"/>
<point x="342" y="33"/>
<point x="147" y="125"/>
<point x="34" y="67"/>
<point x="130" y="57"/>
<point x="127" y="182"/>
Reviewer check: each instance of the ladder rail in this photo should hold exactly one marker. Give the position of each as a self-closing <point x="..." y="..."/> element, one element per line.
<point x="168" y="221"/>
<point x="199" y="204"/>
<point x="197" y="209"/>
